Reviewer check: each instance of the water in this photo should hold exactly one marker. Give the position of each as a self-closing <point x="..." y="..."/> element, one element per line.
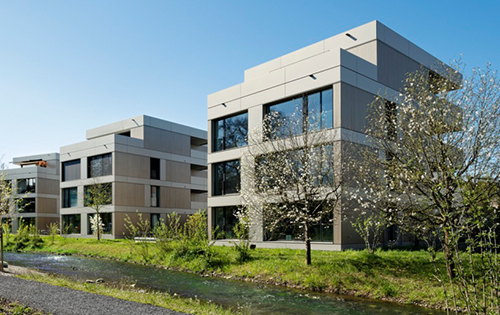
<point x="255" y="298"/>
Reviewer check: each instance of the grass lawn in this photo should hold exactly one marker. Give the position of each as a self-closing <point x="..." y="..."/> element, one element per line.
<point x="396" y="275"/>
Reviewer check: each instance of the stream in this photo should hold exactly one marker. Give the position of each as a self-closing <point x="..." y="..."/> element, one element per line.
<point x="254" y="298"/>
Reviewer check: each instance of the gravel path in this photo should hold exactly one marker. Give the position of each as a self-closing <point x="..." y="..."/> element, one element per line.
<point x="65" y="301"/>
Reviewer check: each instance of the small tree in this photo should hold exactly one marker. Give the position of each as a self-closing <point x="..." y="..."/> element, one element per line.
<point x="290" y="175"/>
<point x="7" y="206"/>
<point x="97" y="195"/>
<point x="433" y="168"/>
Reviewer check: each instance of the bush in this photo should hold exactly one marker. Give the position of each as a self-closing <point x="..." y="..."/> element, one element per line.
<point x="242" y="247"/>
<point x="27" y="238"/>
<point x="166" y="233"/>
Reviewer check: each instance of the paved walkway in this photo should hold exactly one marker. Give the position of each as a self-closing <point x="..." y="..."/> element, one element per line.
<point x="65" y="301"/>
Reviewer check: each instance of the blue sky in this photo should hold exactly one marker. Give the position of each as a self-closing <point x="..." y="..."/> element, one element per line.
<point x="68" y="66"/>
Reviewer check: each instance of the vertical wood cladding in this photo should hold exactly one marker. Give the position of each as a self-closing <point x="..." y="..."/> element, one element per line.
<point x="131" y="165"/>
<point x="178" y="172"/>
<point x="42" y="223"/>
<point x="178" y="198"/>
<point x="127" y="194"/>
<point x="46" y="205"/>
<point x="47" y="186"/>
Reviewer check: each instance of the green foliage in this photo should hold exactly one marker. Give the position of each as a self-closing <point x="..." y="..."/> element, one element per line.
<point x="53" y="231"/>
<point x="242" y="247"/>
<point x="370" y="227"/>
<point x="26" y="238"/>
<point x="6" y="232"/>
<point x="167" y="232"/>
<point x="141" y="229"/>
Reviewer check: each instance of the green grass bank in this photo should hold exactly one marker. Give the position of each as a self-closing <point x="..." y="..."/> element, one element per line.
<point x="401" y="276"/>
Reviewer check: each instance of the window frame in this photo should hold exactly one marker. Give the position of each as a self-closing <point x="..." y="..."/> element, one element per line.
<point x="65" y="204"/>
<point x="304" y="109"/>
<point x="101" y="156"/>
<point x="215" y="179"/>
<point x="63" y="169"/>
<point x="157" y="196"/>
<point x="215" y="129"/>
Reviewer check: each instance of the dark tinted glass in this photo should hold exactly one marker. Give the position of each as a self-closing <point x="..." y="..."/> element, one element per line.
<point x="218" y="179"/>
<point x="71" y="224"/>
<point x="26" y="185"/>
<point x="100" y="165"/>
<point x="26" y="205"/>
<point x="286" y="118"/>
<point x="155" y="196"/>
<point x="107" y="220"/>
<point x="327" y="109"/>
<point x="230" y="132"/>
<point x="155" y="168"/>
<point x="223" y="221"/>
<point x="226" y="178"/>
<point x="232" y="180"/>
<point x="70" y="197"/>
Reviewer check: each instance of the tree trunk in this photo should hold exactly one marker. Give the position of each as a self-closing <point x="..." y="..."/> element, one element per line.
<point x="1" y="248"/>
<point x="308" y="244"/>
<point x="450" y="265"/>
<point x="98" y="220"/>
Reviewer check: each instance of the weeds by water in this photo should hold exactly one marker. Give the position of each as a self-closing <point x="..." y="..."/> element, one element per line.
<point x="128" y="293"/>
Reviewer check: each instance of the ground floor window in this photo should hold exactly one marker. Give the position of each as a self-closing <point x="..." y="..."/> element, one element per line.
<point x="71" y="224"/>
<point x="107" y="220"/>
<point x="155" y="220"/>
<point x="26" y="205"/>
<point x="322" y="232"/>
<point x="223" y="221"/>
<point x="70" y="197"/>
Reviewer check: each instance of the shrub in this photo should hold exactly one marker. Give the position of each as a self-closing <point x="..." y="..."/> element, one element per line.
<point x="27" y="237"/>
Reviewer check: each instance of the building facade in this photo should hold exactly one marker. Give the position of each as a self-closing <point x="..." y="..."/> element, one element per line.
<point x="36" y="184"/>
<point x="343" y="74"/>
<point x="147" y="165"/>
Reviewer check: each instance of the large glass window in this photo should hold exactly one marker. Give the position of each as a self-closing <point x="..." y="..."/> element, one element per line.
<point x="223" y="221"/>
<point x="107" y="221"/>
<point x="230" y="132"/>
<point x="26" y="185"/>
<point x="26" y="205"/>
<point x="226" y="178"/>
<point x="311" y="112"/>
<point x="100" y="165"/>
<point x="286" y="231"/>
<point x="155" y="168"/>
<point x="98" y="194"/>
<point x="155" y="196"/>
<point x="155" y="220"/>
<point x="71" y="170"/>
<point x="69" y="197"/>
<point x="71" y="224"/>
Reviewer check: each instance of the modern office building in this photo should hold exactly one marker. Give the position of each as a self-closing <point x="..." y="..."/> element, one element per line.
<point x="150" y="166"/>
<point x="36" y="184"/>
<point x="343" y="74"/>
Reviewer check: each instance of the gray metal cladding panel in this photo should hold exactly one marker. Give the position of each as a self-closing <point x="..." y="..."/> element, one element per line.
<point x="355" y="107"/>
<point x="167" y="141"/>
<point x="393" y="66"/>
